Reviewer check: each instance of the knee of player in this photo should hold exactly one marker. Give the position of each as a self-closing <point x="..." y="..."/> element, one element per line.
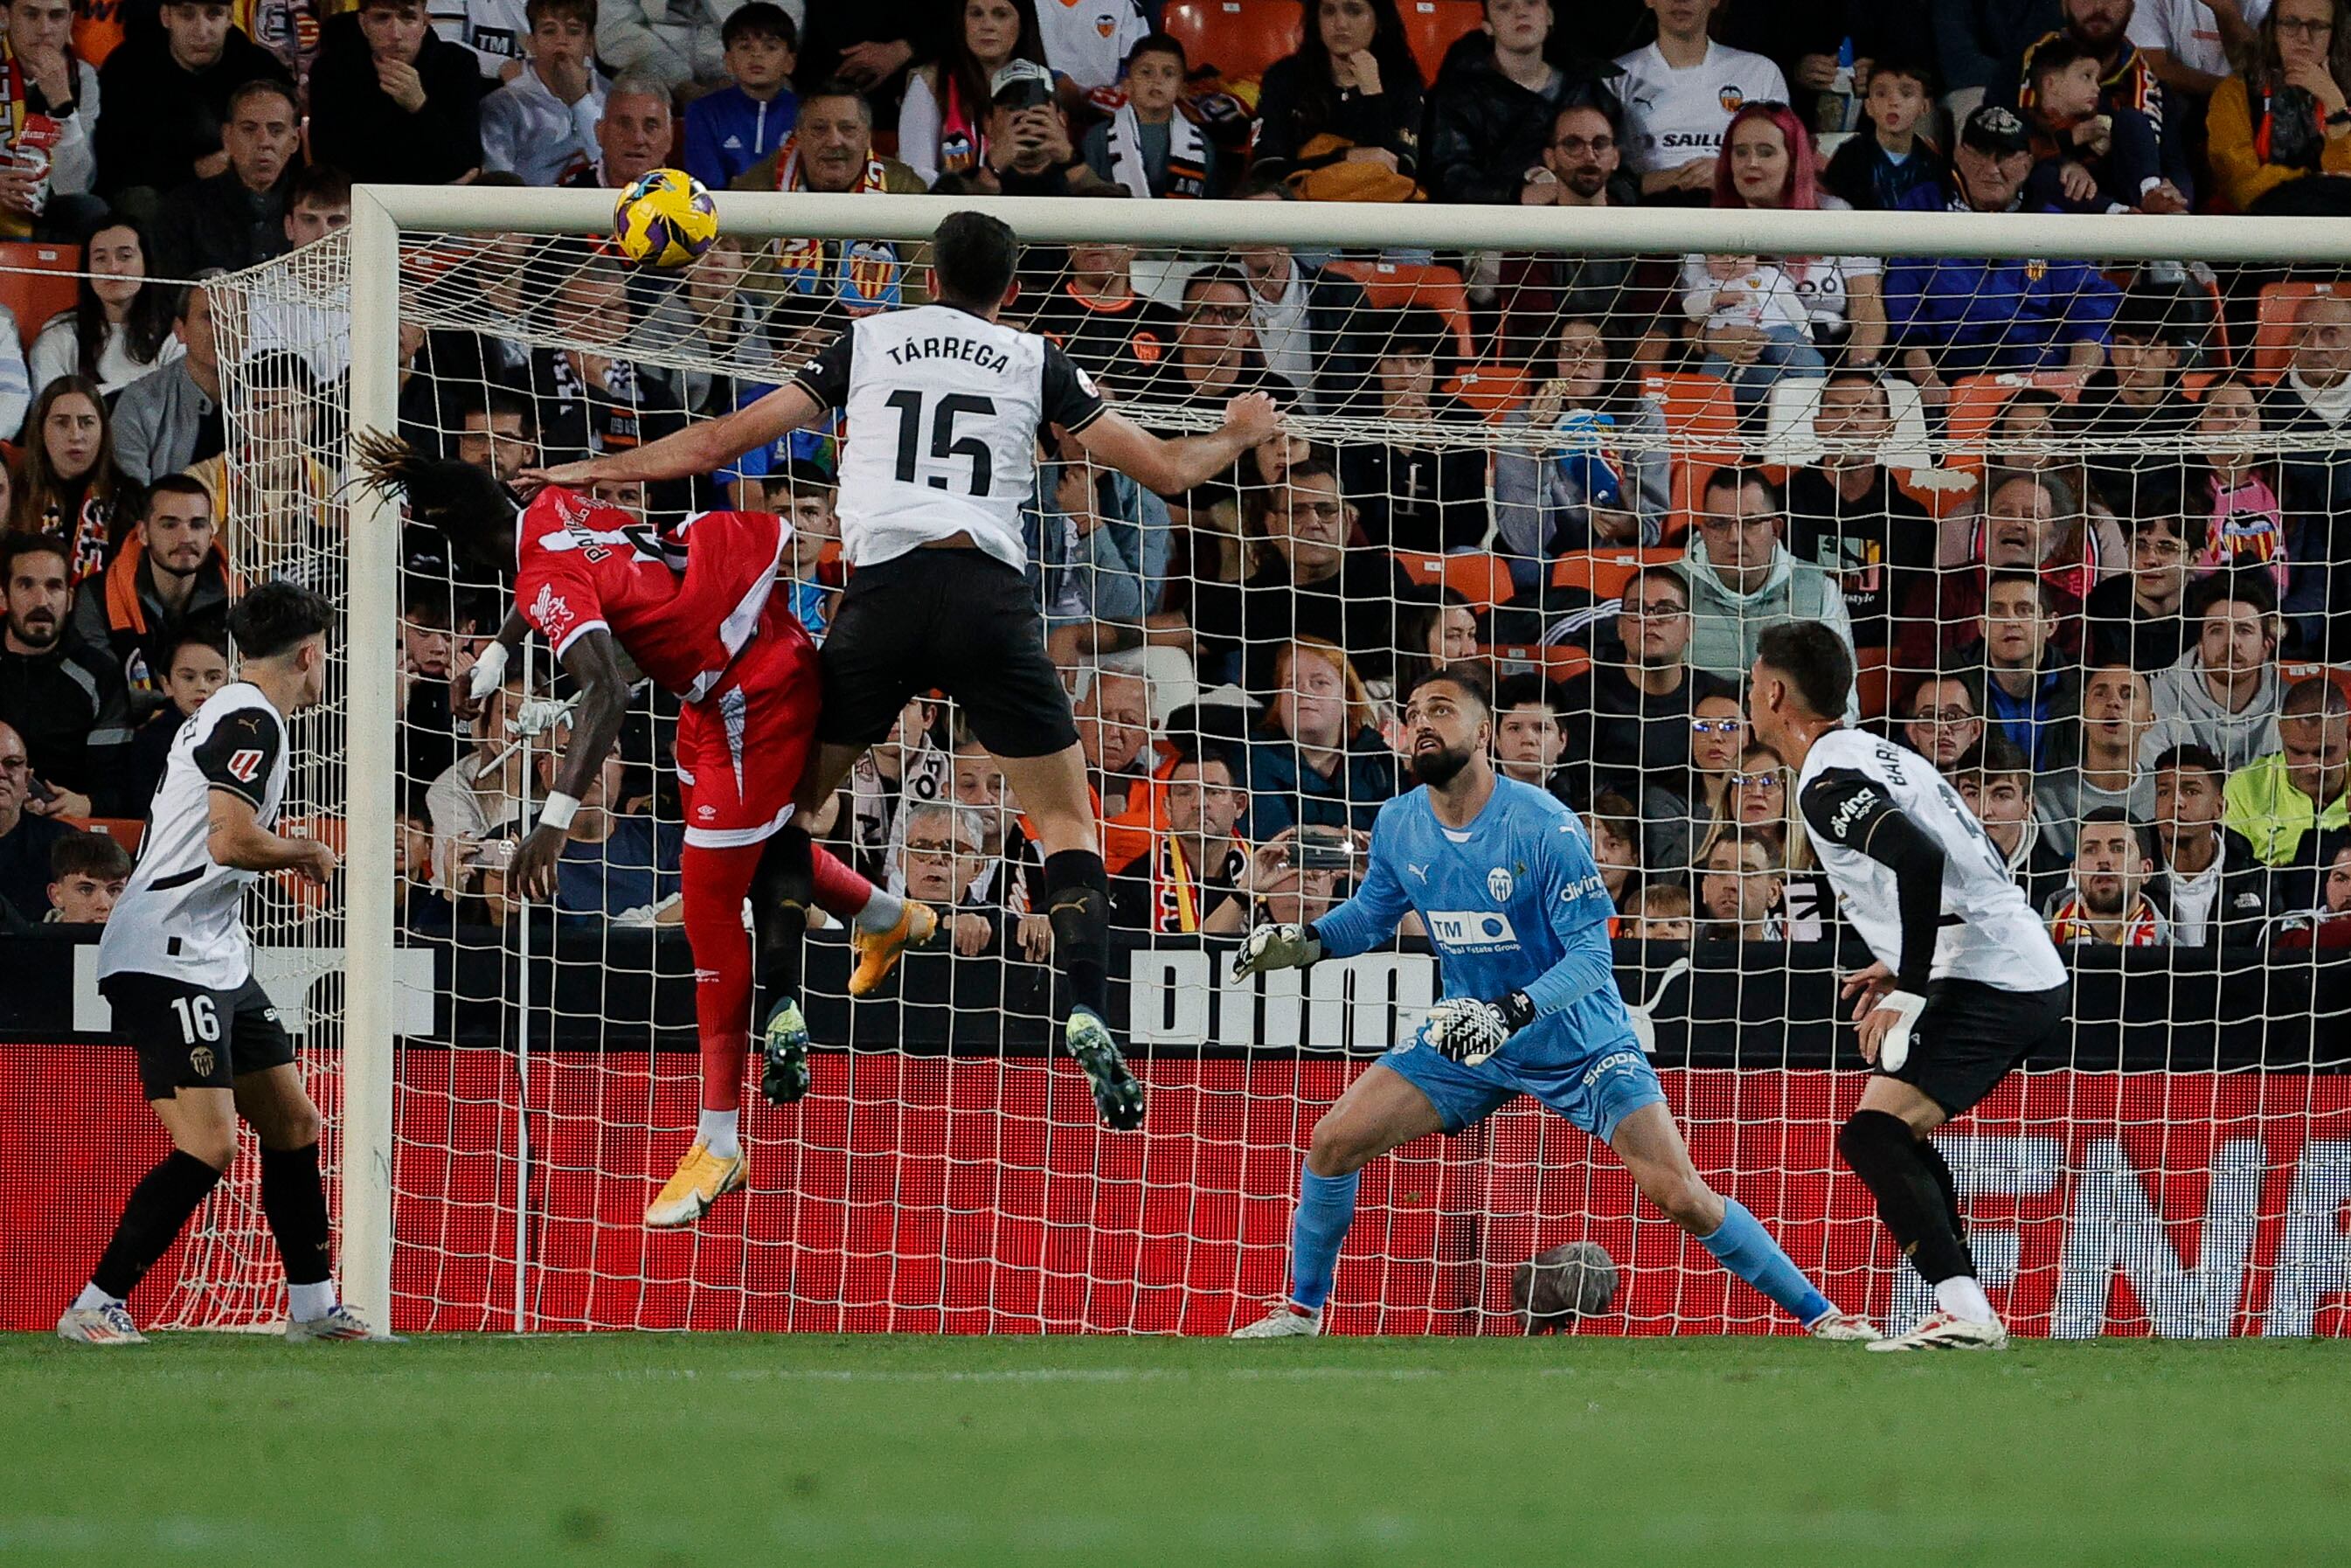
<point x="1687" y="1200"/>
<point x="216" y="1146"/>
<point x="298" y="1126"/>
<point x="1867" y="1136"/>
<point x="1334" y="1151"/>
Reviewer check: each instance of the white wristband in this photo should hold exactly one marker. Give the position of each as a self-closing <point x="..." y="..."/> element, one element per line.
<point x="558" y="812"/>
<point x="489" y="671"/>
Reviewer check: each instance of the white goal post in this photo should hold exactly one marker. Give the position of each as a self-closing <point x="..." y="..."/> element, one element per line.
<point x="382" y="215"/>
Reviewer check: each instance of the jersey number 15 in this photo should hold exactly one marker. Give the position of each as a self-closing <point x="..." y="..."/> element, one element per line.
<point x="944" y="443"/>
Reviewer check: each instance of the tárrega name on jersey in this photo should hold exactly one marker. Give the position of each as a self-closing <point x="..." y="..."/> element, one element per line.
<point x="944" y="409"/>
<point x="1990" y="933"/>
<point x="182" y="916"/>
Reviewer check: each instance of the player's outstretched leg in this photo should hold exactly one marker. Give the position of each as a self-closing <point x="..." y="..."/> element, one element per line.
<point x="294" y="1201"/>
<point x="1380" y="1111"/>
<point x="712" y="885"/>
<point x="202" y="1124"/>
<point x="1651" y="1147"/>
<point x="1886" y="1146"/>
<point x="1077" y="902"/>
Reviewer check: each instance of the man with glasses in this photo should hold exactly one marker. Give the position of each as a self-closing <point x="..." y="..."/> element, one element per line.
<point x="1493" y="106"/>
<point x="1629" y="714"/>
<point x="1313" y="586"/>
<point x="1742" y="578"/>
<point x="1942" y="723"/>
<point x="2136" y="617"/>
<point x="25" y="839"/>
<point x="1582" y="167"/>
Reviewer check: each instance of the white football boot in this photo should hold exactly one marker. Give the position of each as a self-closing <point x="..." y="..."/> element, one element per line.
<point x="1283" y="1320"/>
<point x="106" y="1325"/>
<point x="1843" y="1328"/>
<point x="1941" y="1331"/>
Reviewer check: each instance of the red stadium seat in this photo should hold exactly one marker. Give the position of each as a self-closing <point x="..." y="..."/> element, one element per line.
<point x="327" y="830"/>
<point x="1392" y="285"/>
<point x="1239" y="38"/>
<point x="2274" y="329"/>
<point x="37" y="281"/>
<point x="124" y="831"/>
<point x="1481" y="579"/>
<point x="1432" y="25"/>
<point x="1871" y="679"/>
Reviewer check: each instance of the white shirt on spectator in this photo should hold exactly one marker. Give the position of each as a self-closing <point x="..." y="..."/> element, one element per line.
<point x="493" y="29"/>
<point x="1283" y="338"/>
<point x="1087" y="40"/>
<point x="56" y="352"/>
<point x="1672" y="116"/>
<point x="2185" y="30"/>
<point x="464" y="803"/>
<point x="528" y="132"/>
<point x="2332" y="404"/>
<point x="15" y="382"/>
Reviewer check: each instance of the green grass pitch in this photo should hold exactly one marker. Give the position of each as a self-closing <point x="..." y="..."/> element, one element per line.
<point x="914" y="1452"/>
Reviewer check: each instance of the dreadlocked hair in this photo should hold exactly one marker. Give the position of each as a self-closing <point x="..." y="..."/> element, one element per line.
<point x="440" y="492"/>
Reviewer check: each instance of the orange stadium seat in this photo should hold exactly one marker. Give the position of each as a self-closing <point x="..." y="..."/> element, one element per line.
<point x="1493" y="390"/>
<point x="1702" y="423"/>
<point x="1434" y="25"/>
<point x="1392" y="285"/>
<point x="2274" y="328"/>
<point x="37" y="281"/>
<point x="1481" y="579"/>
<point x="1872" y="680"/>
<point x="327" y="830"/>
<point x="1239" y="38"/>
<point x="124" y="831"/>
<point x="1603" y="572"/>
<point x="1974" y="409"/>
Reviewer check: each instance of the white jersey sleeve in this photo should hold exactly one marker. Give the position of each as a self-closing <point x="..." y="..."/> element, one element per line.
<point x="182" y="915"/>
<point x="1986" y="929"/>
<point x="943" y="410"/>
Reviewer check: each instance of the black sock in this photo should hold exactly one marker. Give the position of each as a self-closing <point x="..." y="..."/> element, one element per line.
<point x="1941" y="1169"/>
<point x="1077" y="901"/>
<point x="1883" y="1152"/>
<point x="783" y="890"/>
<point x="159" y="1206"/>
<point x="294" y="1201"/>
<point x="786" y="877"/>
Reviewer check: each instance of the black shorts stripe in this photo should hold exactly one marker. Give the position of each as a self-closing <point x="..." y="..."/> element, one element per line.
<point x="177" y="878"/>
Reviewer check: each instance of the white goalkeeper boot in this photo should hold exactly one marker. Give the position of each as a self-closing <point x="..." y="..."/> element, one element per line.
<point x="1941" y="1331"/>
<point x="1843" y="1328"/>
<point x="1283" y="1320"/>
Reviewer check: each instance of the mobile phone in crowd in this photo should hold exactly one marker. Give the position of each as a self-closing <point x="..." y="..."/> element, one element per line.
<point x="1321" y="849"/>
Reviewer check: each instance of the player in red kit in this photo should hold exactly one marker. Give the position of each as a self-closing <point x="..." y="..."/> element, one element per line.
<point x="618" y="601"/>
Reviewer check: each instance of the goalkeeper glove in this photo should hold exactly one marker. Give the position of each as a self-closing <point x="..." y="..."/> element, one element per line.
<point x="1894" y="1045"/>
<point x="1277" y="947"/>
<point x="1469" y="1030"/>
<point x="489" y="671"/>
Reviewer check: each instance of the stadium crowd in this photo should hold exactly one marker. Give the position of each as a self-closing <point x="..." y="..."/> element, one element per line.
<point x="2110" y="629"/>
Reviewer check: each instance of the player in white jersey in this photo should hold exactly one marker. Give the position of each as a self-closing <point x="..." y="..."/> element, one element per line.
<point x="177" y="967"/>
<point x="944" y="407"/>
<point x="1966" y="984"/>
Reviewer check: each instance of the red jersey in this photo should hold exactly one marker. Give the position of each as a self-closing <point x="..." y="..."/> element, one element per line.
<point x="681" y="614"/>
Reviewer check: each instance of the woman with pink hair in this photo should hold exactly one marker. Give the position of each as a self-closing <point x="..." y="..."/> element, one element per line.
<point x="1759" y="317"/>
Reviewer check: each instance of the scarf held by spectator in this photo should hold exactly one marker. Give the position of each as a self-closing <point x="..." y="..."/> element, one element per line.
<point x="1187" y="156"/>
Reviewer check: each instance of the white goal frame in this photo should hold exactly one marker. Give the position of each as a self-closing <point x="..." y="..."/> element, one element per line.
<point x="382" y="214"/>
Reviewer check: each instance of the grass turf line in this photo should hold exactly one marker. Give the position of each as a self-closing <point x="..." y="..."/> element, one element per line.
<point x="921" y="1451"/>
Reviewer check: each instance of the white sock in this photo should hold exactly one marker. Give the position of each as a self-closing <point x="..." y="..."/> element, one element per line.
<point x="1964" y="1299"/>
<point x="91" y="1297"/>
<point x="716" y="1130"/>
<point x="880" y="911"/>
<point x="308" y="1303"/>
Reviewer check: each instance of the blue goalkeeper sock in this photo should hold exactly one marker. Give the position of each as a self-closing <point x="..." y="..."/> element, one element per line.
<point x="1326" y="1206"/>
<point x="1747" y="1250"/>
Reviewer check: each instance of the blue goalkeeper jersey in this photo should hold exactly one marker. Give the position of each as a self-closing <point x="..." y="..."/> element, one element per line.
<point x="1513" y="902"/>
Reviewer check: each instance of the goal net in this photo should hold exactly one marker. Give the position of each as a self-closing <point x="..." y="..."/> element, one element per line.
<point x="2078" y="525"/>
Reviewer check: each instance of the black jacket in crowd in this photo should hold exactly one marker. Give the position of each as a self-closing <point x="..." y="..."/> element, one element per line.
<point x="73" y="713"/>
<point x="1484" y="130"/>
<point x="157" y="118"/>
<point x="220" y="222"/>
<point x="355" y="126"/>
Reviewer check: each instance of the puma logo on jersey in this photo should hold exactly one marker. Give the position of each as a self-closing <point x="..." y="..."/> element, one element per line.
<point x="243" y="765"/>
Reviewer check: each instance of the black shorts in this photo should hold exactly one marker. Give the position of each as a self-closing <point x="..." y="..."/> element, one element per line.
<point x="959" y="620"/>
<point x="1971" y="1035"/>
<point x="190" y="1037"/>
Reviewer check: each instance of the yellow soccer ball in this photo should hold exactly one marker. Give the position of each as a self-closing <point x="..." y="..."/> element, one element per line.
<point x="664" y="219"/>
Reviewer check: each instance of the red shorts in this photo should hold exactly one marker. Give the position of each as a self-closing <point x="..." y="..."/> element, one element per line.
<point x="741" y="749"/>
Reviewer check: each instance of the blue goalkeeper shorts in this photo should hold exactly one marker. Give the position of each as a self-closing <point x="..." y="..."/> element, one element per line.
<point x="1594" y="1091"/>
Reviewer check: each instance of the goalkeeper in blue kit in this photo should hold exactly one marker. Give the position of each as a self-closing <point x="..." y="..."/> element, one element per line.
<point x="1502" y="876"/>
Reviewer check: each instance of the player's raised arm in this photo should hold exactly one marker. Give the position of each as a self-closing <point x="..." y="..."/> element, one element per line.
<point x="588" y="658"/>
<point x="697" y="449"/>
<point x="1168" y="466"/>
<point x="235" y="838"/>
